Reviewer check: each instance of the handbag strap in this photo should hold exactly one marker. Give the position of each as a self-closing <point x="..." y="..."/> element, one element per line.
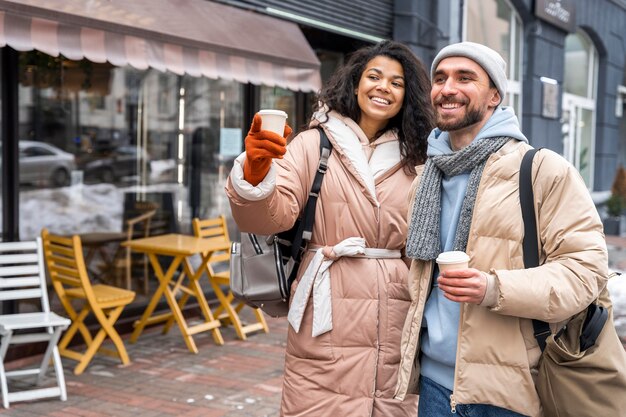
<point x="305" y="228"/>
<point x="529" y="244"/>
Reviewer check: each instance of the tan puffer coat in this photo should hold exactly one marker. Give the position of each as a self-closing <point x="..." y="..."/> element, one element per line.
<point x="497" y="353"/>
<point x="351" y="370"/>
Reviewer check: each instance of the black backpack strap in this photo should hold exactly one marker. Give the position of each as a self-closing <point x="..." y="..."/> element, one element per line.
<point x="596" y="315"/>
<point x="527" y="198"/>
<point x="529" y="244"/>
<point x="306" y="225"/>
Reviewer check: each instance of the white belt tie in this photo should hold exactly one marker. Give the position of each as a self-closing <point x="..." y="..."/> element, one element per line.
<point x="317" y="278"/>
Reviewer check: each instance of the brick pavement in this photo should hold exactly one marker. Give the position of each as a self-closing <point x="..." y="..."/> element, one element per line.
<point x="239" y="379"/>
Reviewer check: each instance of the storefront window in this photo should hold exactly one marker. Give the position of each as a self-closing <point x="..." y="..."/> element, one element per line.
<point x="280" y="99"/>
<point x="579" y="54"/>
<point x="92" y="134"/>
<point x="495" y="23"/>
<point x="579" y="103"/>
<point x="329" y="63"/>
<point x="98" y="143"/>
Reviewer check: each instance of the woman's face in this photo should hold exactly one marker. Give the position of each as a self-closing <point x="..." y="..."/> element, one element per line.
<point x="380" y="93"/>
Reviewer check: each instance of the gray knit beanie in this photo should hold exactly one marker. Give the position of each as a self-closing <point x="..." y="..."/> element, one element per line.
<point x="487" y="58"/>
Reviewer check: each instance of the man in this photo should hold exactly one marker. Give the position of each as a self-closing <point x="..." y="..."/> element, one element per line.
<point x="468" y="345"/>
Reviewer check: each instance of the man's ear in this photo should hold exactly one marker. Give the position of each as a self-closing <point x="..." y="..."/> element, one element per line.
<point x="495" y="98"/>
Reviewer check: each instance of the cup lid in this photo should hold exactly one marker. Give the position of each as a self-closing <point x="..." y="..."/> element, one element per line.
<point x="452" y="257"/>
<point x="272" y="112"/>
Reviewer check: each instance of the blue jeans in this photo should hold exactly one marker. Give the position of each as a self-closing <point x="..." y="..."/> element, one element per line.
<point x="435" y="402"/>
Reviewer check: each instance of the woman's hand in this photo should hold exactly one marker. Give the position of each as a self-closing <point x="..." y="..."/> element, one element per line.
<point x="261" y="147"/>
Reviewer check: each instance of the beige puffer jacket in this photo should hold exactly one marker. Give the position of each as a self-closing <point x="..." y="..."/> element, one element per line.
<point x="497" y="353"/>
<point x="351" y="370"/>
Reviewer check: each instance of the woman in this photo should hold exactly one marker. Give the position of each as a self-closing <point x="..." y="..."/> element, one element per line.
<point x="377" y="115"/>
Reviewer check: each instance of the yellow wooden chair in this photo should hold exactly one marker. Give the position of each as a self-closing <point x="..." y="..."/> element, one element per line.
<point x="66" y="266"/>
<point x="228" y="310"/>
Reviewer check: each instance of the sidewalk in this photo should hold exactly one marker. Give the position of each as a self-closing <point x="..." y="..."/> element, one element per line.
<point x="617" y="286"/>
<point x="164" y="379"/>
<point x="238" y="379"/>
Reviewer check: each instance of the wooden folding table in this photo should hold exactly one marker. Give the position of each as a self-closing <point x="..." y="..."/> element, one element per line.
<point x="180" y="248"/>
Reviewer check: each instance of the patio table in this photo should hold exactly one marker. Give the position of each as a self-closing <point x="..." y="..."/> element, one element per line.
<point x="180" y="247"/>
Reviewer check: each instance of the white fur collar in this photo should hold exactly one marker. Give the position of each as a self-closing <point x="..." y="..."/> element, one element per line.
<point x="351" y="139"/>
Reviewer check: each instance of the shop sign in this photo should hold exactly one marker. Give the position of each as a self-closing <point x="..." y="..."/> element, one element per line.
<point x="550" y="98"/>
<point x="560" y="13"/>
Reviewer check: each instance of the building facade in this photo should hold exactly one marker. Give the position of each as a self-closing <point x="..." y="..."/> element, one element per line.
<point x="567" y="68"/>
<point x="566" y="61"/>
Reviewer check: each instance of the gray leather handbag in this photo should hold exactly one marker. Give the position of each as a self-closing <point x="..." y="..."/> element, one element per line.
<point x="259" y="274"/>
<point x="262" y="268"/>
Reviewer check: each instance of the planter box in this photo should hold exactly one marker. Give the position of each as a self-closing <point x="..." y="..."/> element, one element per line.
<point x="611" y="226"/>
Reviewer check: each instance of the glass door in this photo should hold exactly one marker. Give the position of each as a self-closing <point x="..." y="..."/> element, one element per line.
<point x="578" y="132"/>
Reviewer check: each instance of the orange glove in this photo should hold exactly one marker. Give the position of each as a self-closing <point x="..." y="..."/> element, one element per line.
<point x="261" y="147"/>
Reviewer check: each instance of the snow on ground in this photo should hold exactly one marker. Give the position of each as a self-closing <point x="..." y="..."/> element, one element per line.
<point x="617" y="289"/>
<point x="81" y="208"/>
<point x="68" y="210"/>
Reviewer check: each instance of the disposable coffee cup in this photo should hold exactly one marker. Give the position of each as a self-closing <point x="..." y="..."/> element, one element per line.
<point x="452" y="260"/>
<point x="273" y="120"/>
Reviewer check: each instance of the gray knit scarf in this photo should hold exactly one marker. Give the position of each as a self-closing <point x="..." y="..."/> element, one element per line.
<point x="423" y="241"/>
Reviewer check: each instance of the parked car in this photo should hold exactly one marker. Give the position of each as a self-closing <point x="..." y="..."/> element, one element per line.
<point x="42" y="163"/>
<point x="113" y="163"/>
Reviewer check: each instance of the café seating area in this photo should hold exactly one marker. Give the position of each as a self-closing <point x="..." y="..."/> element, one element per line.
<point x="95" y="285"/>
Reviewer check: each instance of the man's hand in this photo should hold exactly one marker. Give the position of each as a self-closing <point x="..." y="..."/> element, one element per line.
<point x="463" y="285"/>
<point x="261" y="147"/>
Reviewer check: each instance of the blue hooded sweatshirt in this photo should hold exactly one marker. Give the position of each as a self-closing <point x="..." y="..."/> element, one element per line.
<point x="441" y="316"/>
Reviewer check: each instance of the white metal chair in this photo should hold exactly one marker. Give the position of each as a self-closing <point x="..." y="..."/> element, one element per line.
<point x="22" y="277"/>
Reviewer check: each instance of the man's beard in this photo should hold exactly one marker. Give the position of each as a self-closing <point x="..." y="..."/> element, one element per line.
<point x="472" y="116"/>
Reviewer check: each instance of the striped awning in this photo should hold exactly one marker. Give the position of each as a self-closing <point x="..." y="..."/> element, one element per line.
<point x="195" y="37"/>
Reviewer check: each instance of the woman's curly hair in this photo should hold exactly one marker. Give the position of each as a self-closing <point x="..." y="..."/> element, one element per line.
<point x="413" y="122"/>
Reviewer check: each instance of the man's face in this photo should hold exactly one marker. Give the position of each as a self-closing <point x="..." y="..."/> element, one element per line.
<point x="461" y="94"/>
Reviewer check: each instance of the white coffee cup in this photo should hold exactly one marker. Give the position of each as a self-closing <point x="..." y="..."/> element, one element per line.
<point x="452" y="260"/>
<point x="273" y="120"/>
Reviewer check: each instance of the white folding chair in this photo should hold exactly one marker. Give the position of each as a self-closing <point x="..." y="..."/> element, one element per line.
<point x="22" y="277"/>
